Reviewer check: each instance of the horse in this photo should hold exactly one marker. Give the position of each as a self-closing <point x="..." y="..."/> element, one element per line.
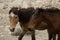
<point x="30" y="19"/>
<point x="21" y="15"/>
<point x="51" y="16"/>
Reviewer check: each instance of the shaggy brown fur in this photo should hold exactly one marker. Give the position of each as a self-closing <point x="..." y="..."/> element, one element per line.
<point x="51" y="17"/>
<point x="30" y="20"/>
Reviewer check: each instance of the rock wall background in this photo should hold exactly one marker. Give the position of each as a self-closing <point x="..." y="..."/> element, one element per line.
<point x="5" y="5"/>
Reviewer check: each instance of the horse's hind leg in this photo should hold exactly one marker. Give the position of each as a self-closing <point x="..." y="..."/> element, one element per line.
<point x="59" y="36"/>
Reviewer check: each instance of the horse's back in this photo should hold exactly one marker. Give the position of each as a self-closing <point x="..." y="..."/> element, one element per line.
<point x="47" y="10"/>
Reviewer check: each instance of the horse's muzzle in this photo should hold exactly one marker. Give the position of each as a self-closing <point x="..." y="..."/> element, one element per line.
<point x="12" y="30"/>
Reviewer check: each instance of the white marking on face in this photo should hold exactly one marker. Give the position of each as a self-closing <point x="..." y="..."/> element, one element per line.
<point x="12" y="14"/>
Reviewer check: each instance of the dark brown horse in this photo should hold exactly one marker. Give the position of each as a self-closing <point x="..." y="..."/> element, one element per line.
<point x="51" y="16"/>
<point x="30" y="19"/>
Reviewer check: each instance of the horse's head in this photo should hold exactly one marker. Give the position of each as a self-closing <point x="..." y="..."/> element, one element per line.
<point x="13" y="18"/>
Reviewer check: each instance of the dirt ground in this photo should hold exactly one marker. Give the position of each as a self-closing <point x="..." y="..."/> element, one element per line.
<point x="5" y="34"/>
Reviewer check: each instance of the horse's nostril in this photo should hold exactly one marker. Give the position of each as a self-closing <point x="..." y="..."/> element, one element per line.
<point x="12" y="30"/>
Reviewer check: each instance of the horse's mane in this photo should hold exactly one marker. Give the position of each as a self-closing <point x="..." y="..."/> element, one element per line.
<point x="49" y="10"/>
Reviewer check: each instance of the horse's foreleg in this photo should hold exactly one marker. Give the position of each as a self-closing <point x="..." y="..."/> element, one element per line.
<point x="50" y="36"/>
<point x="33" y="34"/>
<point x="22" y="34"/>
<point x="54" y="36"/>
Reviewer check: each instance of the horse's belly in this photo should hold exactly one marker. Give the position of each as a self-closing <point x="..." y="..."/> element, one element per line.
<point x="41" y="26"/>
